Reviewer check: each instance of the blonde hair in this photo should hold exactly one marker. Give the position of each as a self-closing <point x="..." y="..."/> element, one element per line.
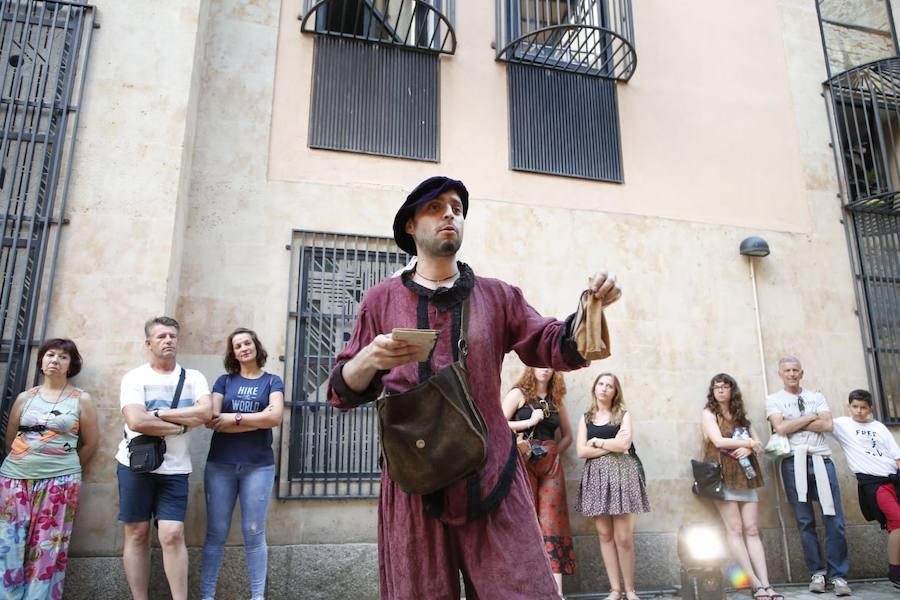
<point x="617" y="406"/>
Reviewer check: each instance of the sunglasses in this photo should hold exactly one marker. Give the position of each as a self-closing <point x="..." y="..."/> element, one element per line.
<point x="800" y="404"/>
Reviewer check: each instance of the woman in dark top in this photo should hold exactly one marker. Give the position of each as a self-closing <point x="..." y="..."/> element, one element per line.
<point x="729" y="438"/>
<point x="535" y="410"/>
<point x="613" y="489"/>
<point x="247" y="404"/>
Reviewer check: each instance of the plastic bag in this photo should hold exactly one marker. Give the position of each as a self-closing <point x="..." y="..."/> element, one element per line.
<point x="778" y="446"/>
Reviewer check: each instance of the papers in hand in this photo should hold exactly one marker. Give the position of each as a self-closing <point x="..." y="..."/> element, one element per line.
<point x="424" y="339"/>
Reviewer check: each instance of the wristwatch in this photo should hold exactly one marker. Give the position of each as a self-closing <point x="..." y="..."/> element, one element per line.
<point x="237" y="418"/>
<point x="156" y="412"/>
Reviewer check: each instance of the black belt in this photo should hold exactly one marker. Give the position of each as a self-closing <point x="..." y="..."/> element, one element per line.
<point x="37" y="428"/>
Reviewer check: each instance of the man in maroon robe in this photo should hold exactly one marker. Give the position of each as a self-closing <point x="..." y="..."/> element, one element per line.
<point x="491" y="534"/>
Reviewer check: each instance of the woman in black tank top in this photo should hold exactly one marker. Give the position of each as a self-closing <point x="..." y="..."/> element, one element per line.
<point x="613" y="488"/>
<point x="535" y="411"/>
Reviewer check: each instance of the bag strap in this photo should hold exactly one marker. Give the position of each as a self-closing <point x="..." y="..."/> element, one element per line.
<point x="177" y="397"/>
<point x="463" y="345"/>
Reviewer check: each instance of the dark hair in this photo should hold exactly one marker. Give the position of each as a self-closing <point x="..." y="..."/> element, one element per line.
<point x="64" y="345"/>
<point x="232" y="366"/>
<point x="736" y="405"/>
<point x="164" y="321"/>
<point x="862" y="395"/>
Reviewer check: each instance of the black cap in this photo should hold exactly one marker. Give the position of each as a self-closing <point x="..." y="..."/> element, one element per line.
<point x="428" y="190"/>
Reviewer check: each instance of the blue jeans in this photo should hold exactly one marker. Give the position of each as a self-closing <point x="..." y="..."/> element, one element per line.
<point x="835" y="537"/>
<point x="224" y="483"/>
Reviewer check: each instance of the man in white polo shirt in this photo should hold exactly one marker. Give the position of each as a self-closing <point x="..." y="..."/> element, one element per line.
<point x="803" y="417"/>
<point x="146" y="398"/>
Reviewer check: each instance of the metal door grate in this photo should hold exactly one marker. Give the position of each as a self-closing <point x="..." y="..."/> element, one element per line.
<point x="44" y="48"/>
<point x="330" y="454"/>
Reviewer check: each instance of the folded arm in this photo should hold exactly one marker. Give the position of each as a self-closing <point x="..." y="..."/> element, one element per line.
<point x="143" y="421"/>
<point x="789" y="426"/>
<point x="586" y="448"/>
<point x="189" y="416"/>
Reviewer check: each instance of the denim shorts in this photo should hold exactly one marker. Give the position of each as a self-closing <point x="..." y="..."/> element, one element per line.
<point x="145" y="496"/>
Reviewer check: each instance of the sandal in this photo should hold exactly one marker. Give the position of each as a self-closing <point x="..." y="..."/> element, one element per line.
<point x="762" y="596"/>
<point x="614" y="595"/>
<point x="632" y="595"/>
<point x="773" y="594"/>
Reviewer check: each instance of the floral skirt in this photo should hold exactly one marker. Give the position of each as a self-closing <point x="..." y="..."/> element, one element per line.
<point x="36" y="517"/>
<point x="612" y="484"/>
<point x="548" y="490"/>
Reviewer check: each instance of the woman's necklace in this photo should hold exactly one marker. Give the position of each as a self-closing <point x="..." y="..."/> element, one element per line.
<point x="59" y="396"/>
<point x="437" y="281"/>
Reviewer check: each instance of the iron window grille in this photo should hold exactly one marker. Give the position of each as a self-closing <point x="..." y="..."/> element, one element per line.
<point x="376" y="75"/>
<point x="330" y="453"/>
<point x="864" y="116"/>
<point x="563" y="60"/>
<point x="44" y="48"/>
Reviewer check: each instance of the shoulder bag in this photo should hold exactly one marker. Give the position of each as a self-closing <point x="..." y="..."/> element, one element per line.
<point x="147" y="452"/>
<point x="433" y="434"/>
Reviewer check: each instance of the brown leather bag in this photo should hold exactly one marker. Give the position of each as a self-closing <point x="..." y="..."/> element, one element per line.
<point x="433" y="434"/>
<point x="589" y="328"/>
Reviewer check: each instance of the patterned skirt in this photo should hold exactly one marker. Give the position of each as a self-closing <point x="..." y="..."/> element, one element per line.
<point x="548" y="490"/>
<point x="612" y="484"/>
<point x="36" y="518"/>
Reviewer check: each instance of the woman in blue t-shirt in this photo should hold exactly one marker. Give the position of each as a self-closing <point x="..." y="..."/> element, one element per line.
<point x="247" y="404"/>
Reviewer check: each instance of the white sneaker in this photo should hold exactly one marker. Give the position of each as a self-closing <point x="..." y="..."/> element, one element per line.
<point x="840" y="587"/>
<point x="817" y="583"/>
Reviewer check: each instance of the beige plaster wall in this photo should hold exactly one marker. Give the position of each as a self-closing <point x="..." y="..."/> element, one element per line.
<point x="719" y="143"/>
<point x="707" y="128"/>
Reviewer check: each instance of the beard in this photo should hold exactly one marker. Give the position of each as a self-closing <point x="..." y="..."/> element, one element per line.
<point x="435" y="247"/>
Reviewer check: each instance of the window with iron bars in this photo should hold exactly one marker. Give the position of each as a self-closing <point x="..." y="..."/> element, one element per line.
<point x="563" y="60"/>
<point x="862" y="59"/>
<point x="376" y="75"/>
<point x="330" y="454"/>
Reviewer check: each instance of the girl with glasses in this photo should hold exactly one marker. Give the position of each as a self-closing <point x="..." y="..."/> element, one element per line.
<point x="731" y="440"/>
<point x="535" y="411"/>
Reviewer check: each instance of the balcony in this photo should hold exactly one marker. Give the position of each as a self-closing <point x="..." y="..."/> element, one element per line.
<point x="588" y="37"/>
<point x="412" y="24"/>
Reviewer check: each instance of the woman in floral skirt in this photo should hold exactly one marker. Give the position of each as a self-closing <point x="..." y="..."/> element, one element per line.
<point x="50" y="436"/>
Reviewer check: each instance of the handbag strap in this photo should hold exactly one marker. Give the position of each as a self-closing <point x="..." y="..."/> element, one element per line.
<point x="177" y="397"/>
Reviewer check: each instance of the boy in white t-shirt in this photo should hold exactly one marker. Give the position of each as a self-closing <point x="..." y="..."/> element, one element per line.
<point x="874" y="456"/>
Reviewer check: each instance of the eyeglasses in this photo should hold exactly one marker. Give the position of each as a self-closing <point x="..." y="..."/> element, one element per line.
<point x="545" y="406"/>
<point x="800" y="404"/>
<point x="722" y="386"/>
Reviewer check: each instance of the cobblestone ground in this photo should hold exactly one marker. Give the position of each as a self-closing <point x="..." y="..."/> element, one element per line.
<point x="870" y="590"/>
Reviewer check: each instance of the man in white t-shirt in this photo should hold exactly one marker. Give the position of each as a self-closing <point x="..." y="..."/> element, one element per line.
<point x="808" y="474"/>
<point x="874" y="456"/>
<point x="146" y="398"/>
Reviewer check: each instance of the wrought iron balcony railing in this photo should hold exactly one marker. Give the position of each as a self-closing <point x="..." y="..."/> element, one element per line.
<point x="590" y="37"/>
<point x="421" y="25"/>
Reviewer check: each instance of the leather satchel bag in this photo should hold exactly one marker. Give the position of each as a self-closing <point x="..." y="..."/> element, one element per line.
<point x="589" y="328"/>
<point x="708" y="481"/>
<point x="433" y="434"/>
<point x="146" y="453"/>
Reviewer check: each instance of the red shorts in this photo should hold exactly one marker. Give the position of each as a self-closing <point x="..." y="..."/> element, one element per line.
<point x="887" y="502"/>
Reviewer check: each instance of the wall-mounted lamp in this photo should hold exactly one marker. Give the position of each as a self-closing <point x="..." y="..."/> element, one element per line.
<point x="754" y="246"/>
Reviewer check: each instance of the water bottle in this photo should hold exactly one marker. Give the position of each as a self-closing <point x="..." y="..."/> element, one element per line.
<point x="749" y="471"/>
<point x="743" y="433"/>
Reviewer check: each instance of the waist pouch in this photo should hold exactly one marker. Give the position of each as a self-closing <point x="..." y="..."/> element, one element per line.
<point x="146" y="453"/>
